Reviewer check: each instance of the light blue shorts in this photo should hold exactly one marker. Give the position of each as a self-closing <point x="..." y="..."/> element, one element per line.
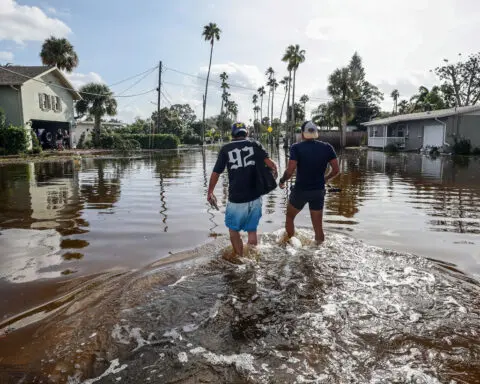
<point x="243" y="216"/>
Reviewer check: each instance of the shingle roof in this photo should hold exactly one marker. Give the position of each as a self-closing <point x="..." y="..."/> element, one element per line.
<point x="439" y="113"/>
<point x="9" y="78"/>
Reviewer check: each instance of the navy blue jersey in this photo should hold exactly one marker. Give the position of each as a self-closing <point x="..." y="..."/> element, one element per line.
<point x="240" y="158"/>
<point x="312" y="157"/>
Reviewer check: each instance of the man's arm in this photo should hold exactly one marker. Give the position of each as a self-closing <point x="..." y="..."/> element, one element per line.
<point x="211" y="186"/>
<point x="292" y="165"/>
<point x="334" y="170"/>
<point x="271" y="164"/>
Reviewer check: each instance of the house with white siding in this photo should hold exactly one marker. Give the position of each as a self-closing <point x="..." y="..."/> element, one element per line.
<point x="437" y="128"/>
<point x="41" y="99"/>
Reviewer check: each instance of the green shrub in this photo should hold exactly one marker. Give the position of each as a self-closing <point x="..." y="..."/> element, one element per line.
<point x="118" y="142"/>
<point x="158" y="141"/>
<point x="191" y="139"/>
<point x="476" y="151"/>
<point x="81" y="141"/>
<point x="13" y="140"/>
<point x="391" y="148"/>
<point x="461" y="146"/>
<point x="36" y="146"/>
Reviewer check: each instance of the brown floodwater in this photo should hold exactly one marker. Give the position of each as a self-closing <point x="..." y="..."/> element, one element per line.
<point x="74" y="232"/>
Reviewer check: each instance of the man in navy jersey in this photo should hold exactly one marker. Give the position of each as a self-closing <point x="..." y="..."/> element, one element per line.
<point x="310" y="158"/>
<point x="244" y="208"/>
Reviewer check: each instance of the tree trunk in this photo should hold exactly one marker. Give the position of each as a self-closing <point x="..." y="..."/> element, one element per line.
<point x="293" y="107"/>
<point x="343" y="128"/>
<point x="283" y="104"/>
<point x="268" y="105"/>
<point x="96" y="132"/>
<point x="206" y="90"/>
<point x="221" y="108"/>
<point x="271" y="115"/>
<point x="261" y="109"/>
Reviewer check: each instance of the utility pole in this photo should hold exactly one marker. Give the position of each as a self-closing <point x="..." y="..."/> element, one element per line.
<point x="159" y="89"/>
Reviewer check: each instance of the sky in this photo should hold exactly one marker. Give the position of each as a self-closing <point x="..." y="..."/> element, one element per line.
<point x="400" y="42"/>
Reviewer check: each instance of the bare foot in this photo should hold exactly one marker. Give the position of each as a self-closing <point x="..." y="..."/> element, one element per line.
<point x="285" y="238"/>
<point x="230" y="255"/>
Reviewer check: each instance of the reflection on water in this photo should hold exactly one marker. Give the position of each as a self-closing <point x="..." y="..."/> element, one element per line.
<point x="74" y="219"/>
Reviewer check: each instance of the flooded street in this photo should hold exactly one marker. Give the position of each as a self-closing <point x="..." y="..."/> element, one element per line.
<point x="109" y="268"/>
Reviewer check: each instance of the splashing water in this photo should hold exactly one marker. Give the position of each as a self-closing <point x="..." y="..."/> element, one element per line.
<point x="301" y="313"/>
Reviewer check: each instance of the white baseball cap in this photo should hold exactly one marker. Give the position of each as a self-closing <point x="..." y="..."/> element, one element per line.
<point x="309" y="130"/>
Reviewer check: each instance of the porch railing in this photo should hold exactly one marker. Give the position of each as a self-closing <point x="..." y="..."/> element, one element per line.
<point x="381" y="142"/>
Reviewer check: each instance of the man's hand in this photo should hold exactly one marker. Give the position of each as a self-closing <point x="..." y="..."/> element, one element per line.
<point x="212" y="199"/>
<point x="282" y="185"/>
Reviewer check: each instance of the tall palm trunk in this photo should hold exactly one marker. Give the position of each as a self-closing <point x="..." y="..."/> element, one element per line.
<point x="283" y="104"/>
<point x="261" y="109"/>
<point x="293" y="106"/>
<point x="206" y="90"/>
<point x="288" y="98"/>
<point x="271" y="115"/>
<point x="96" y="131"/>
<point x="268" y="103"/>
<point x="221" y="108"/>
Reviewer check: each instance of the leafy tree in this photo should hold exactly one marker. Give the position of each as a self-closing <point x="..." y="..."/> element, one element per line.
<point x="299" y="112"/>
<point x="404" y="107"/>
<point x="211" y="32"/>
<point x="427" y="100"/>
<point x="170" y="122"/>
<point x="464" y="79"/>
<point x="273" y="84"/>
<point x="395" y="95"/>
<point x="98" y="101"/>
<point x="59" y="52"/>
<point x="185" y="113"/>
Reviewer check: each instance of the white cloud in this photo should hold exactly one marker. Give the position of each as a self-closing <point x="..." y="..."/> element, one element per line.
<point x="79" y="79"/>
<point x="22" y="23"/>
<point x="6" y="56"/>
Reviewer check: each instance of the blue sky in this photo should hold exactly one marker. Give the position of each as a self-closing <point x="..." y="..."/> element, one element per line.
<point x="399" y="41"/>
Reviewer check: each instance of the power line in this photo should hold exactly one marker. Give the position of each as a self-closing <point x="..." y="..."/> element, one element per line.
<point x="137" y="82"/>
<point x="133" y="77"/>
<point x="73" y="89"/>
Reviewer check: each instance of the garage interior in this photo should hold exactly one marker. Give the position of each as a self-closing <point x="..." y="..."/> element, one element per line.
<point x="52" y="134"/>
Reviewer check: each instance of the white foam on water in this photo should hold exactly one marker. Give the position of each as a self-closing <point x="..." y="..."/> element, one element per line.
<point x="198" y="350"/>
<point x="181" y="280"/>
<point x="173" y="334"/>
<point x="182" y="357"/>
<point x="114" y="368"/>
<point x="124" y="334"/>
<point x="242" y="362"/>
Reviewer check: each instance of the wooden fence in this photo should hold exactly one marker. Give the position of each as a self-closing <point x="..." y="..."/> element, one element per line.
<point x="354" y="139"/>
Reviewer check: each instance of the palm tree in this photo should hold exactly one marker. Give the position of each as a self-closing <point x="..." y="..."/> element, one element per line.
<point x="285" y="82"/>
<point x="232" y="108"/>
<point x="294" y="56"/>
<point x="342" y="88"/>
<point x="254" y="101"/>
<point x="273" y="86"/>
<point x="211" y="32"/>
<point x="59" y="52"/>
<point x="269" y="73"/>
<point x="256" y="109"/>
<point x="261" y="93"/>
<point x="395" y="95"/>
<point x="224" y="86"/>
<point x="404" y="107"/>
<point x="304" y="100"/>
<point x="98" y="101"/>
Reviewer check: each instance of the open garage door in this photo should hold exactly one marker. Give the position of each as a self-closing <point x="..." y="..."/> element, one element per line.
<point x="52" y="134"/>
<point x="433" y="135"/>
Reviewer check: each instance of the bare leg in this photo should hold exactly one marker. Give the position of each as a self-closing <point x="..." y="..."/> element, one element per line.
<point x="237" y="242"/>
<point x="317" y="221"/>
<point x="292" y="212"/>
<point x="252" y="238"/>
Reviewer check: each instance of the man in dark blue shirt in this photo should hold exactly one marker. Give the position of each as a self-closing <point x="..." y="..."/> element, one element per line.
<point x="310" y="158"/>
<point x="244" y="208"/>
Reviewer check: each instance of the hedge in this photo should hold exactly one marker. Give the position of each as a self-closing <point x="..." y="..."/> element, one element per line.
<point x="191" y="139"/>
<point x="118" y="142"/>
<point x="13" y="140"/>
<point x="158" y="141"/>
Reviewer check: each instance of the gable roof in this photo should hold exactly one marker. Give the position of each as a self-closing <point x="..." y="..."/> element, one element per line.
<point x="18" y="75"/>
<point x="439" y="113"/>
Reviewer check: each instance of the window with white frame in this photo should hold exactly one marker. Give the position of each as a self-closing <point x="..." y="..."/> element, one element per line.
<point x="401" y="130"/>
